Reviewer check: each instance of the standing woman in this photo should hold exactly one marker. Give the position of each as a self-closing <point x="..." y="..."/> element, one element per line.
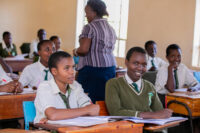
<point x="97" y="62"/>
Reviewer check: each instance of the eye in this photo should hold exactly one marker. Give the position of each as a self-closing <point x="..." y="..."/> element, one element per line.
<point x="67" y="68"/>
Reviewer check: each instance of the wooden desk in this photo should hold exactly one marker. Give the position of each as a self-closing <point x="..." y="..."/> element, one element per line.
<point x="117" y="127"/>
<point x="18" y="65"/>
<point x="193" y="104"/>
<point x="156" y="128"/>
<point x="10" y="130"/>
<point x="11" y="105"/>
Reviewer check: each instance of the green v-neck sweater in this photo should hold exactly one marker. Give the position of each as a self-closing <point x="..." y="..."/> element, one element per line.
<point x="122" y="99"/>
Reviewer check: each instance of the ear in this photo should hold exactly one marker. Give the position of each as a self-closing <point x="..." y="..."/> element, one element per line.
<point x="126" y="63"/>
<point x="54" y="71"/>
<point x="39" y="52"/>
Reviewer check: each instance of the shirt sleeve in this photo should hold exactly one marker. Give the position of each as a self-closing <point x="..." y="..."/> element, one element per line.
<point x="86" y="32"/>
<point x="24" y="77"/>
<point x="83" y="99"/>
<point x="161" y="80"/>
<point x="189" y="78"/>
<point x="112" y="100"/>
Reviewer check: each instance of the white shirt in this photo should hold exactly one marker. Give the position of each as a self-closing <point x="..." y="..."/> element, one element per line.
<point x="5" y="47"/>
<point x="157" y="61"/>
<point x="128" y="79"/>
<point x="4" y="77"/>
<point x="33" y="48"/>
<point x="48" y="96"/>
<point x="185" y="77"/>
<point x="34" y="74"/>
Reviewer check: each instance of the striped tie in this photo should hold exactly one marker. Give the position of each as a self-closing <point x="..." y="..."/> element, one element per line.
<point x="66" y="99"/>
<point x="135" y="87"/>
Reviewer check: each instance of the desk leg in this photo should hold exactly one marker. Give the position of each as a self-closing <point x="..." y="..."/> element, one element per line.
<point x="187" y="108"/>
<point x="21" y="122"/>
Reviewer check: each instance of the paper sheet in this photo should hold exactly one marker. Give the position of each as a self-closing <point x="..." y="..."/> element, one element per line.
<point x="25" y="91"/>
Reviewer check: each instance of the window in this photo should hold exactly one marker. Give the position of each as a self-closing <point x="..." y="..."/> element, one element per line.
<point x="196" y="42"/>
<point x="118" y="19"/>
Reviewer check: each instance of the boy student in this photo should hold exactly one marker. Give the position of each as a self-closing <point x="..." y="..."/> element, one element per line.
<point x="62" y="97"/>
<point x="7" y="85"/>
<point x="153" y="62"/>
<point x="41" y="35"/>
<point x="175" y="75"/>
<point x="35" y="73"/>
<point x="131" y="95"/>
<point x="7" y="48"/>
<point x="57" y="41"/>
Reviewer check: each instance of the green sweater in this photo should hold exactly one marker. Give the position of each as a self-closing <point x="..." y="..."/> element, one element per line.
<point x="4" y="52"/>
<point x="122" y="100"/>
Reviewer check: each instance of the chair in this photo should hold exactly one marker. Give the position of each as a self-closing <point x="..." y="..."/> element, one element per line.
<point x="25" y="48"/>
<point x="103" y="110"/>
<point x="29" y="113"/>
<point x="150" y="76"/>
<point x="197" y="76"/>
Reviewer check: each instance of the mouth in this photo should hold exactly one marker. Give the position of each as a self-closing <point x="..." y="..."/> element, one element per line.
<point x="138" y="74"/>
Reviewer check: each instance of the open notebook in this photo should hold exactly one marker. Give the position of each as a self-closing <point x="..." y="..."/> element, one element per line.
<point x="90" y="121"/>
<point x="25" y="91"/>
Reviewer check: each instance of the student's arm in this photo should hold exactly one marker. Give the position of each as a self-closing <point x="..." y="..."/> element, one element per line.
<point x="60" y="114"/>
<point x="24" y="78"/>
<point x="9" y="87"/>
<point x="84" y="47"/>
<point x="170" y="85"/>
<point x="5" y="66"/>
<point x="161" y="114"/>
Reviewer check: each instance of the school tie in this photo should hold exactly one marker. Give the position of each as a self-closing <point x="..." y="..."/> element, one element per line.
<point x="46" y="74"/>
<point x="66" y="99"/>
<point x="135" y="87"/>
<point x="152" y="63"/>
<point x="176" y="78"/>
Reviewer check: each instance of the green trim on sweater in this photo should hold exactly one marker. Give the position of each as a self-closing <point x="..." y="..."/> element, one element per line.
<point x="121" y="99"/>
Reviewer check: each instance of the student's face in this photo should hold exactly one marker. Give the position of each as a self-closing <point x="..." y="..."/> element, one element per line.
<point x="57" y="43"/>
<point x="90" y="14"/>
<point x="152" y="50"/>
<point x="136" y="66"/>
<point x="174" y="57"/>
<point x="8" y="39"/>
<point x="65" y="71"/>
<point x="45" y="51"/>
<point x="42" y="35"/>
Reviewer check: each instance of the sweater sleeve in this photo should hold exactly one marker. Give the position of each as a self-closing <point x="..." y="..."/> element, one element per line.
<point x="113" y="101"/>
<point x="156" y="103"/>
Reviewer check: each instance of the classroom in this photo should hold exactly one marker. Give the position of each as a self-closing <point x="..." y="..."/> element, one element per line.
<point x="169" y="24"/>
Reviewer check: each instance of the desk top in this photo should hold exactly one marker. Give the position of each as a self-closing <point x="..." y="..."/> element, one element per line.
<point x="9" y="130"/>
<point x="121" y="126"/>
<point x="190" y="95"/>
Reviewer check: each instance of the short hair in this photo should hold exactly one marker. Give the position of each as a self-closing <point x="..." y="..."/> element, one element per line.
<point x="99" y="7"/>
<point x="150" y="42"/>
<point x="134" y="49"/>
<point x="40" y="30"/>
<point x="6" y="33"/>
<point x="172" y="47"/>
<point x="53" y="38"/>
<point x="56" y="57"/>
<point x="41" y="43"/>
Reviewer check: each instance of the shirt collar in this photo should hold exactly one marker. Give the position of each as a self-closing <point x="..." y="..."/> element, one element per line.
<point x="55" y="88"/>
<point x="4" y="46"/>
<point x="149" y="57"/>
<point x="41" y="66"/>
<point x="128" y="79"/>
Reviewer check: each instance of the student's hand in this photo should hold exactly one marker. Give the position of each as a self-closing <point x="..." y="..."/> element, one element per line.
<point x="43" y="120"/>
<point x="9" y="87"/>
<point x="153" y="68"/>
<point x="173" y="66"/>
<point x="34" y="88"/>
<point x="18" y="87"/>
<point x="162" y="114"/>
<point x="93" y="109"/>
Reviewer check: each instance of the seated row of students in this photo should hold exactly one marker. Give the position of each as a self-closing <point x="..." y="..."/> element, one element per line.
<point x="8" y="49"/>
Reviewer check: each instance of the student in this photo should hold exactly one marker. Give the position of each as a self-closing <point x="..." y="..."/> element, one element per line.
<point x="153" y="62"/>
<point x="175" y="75"/>
<point x="7" y="85"/>
<point x="57" y="41"/>
<point x="35" y="73"/>
<point x="62" y="97"/>
<point x="131" y="95"/>
<point x="41" y="34"/>
<point x="7" y="48"/>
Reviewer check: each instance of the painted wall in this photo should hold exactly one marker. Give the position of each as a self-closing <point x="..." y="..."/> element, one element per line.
<point x="164" y="21"/>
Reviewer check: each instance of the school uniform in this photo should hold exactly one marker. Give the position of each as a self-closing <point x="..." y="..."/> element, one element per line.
<point x="49" y="95"/>
<point x="5" y="52"/>
<point x="4" y="79"/>
<point x="156" y="62"/>
<point x="34" y="74"/>
<point x="123" y="99"/>
<point x="33" y="48"/>
<point x="184" y="77"/>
